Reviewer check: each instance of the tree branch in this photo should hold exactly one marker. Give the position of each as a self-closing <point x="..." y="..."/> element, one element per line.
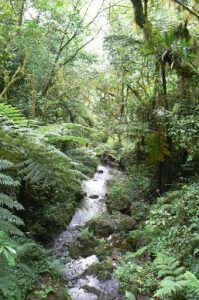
<point x="21" y="13"/>
<point x="80" y="48"/>
<point x="13" y="8"/>
<point x="191" y="11"/>
<point x="15" y="77"/>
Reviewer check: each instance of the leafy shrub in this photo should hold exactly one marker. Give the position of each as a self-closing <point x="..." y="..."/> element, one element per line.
<point x="170" y="235"/>
<point x="119" y="195"/>
<point x="125" y="192"/>
<point x="49" y="210"/>
<point x="31" y="261"/>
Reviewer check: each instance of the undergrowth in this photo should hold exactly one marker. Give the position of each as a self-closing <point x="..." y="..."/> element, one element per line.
<point x="165" y="263"/>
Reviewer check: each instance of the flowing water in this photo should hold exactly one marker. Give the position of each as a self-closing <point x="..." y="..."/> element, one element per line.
<point x="82" y="286"/>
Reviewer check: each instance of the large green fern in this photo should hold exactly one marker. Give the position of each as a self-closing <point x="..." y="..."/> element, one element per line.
<point x="172" y="276"/>
<point x="8" y="221"/>
<point x="11" y="117"/>
<point x="43" y="162"/>
<point x="192" y="282"/>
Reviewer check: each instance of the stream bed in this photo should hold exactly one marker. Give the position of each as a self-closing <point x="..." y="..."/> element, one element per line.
<point x="82" y="286"/>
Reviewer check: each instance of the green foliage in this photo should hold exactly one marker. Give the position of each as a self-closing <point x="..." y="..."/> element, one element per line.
<point x="184" y="131"/>
<point x="173" y="281"/>
<point x="31" y="262"/>
<point x="44" y="292"/>
<point x="169" y="287"/>
<point x="86" y="161"/>
<point x="192" y="282"/>
<point x="43" y="161"/>
<point x="129" y="296"/>
<point x="49" y="210"/>
<point x="170" y="235"/>
<point x="128" y="274"/>
<point x="157" y="147"/>
<point x="140" y="103"/>
<point x="12" y="117"/>
<point x="8" y="220"/>
<point x="124" y="193"/>
<point x="7" y="249"/>
<point x="120" y="195"/>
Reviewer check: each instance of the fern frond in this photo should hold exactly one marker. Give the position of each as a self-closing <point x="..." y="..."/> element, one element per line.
<point x="10" y="228"/>
<point x="173" y="276"/>
<point x="169" y="287"/>
<point x="8" y="221"/>
<point x="11" y="116"/>
<point x="9" y="202"/>
<point x="192" y="282"/>
<point x="48" y="164"/>
<point x="8" y="216"/>
<point x="5" y="164"/>
<point x="45" y="163"/>
<point x="178" y="271"/>
<point x="70" y="138"/>
<point x="7" y="180"/>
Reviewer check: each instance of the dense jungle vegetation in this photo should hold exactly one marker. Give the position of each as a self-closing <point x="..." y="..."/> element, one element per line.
<point x="135" y="100"/>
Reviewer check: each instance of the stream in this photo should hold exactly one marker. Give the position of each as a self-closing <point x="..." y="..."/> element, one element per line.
<point x="82" y="286"/>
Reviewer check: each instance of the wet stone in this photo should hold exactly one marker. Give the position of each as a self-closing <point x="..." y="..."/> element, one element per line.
<point x="100" y="171"/>
<point x="81" y="294"/>
<point x="107" y="289"/>
<point x="62" y="244"/>
<point x="94" y="196"/>
<point x="76" y="268"/>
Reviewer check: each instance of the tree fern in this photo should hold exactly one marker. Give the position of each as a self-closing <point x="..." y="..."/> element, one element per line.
<point x="65" y="132"/>
<point x="10" y="228"/>
<point x="43" y="162"/>
<point x="49" y="165"/>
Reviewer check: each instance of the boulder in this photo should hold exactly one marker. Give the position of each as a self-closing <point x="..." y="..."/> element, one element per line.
<point x="84" y="245"/>
<point x="94" y="196"/>
<point x="106" y="224"/>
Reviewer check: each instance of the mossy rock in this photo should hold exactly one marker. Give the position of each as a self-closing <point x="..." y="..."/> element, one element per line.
<point x="60" y="294"/>
<point x="140" y="209"/>
<point x="106" y="224"/>
<point x="102" y="270"/>
<point x="104" y="250"/>
<point x="84" y="245"/>
<point x="92" y="290"/>
<point x="121" y="204"/>
<point x="119" y="196"/>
